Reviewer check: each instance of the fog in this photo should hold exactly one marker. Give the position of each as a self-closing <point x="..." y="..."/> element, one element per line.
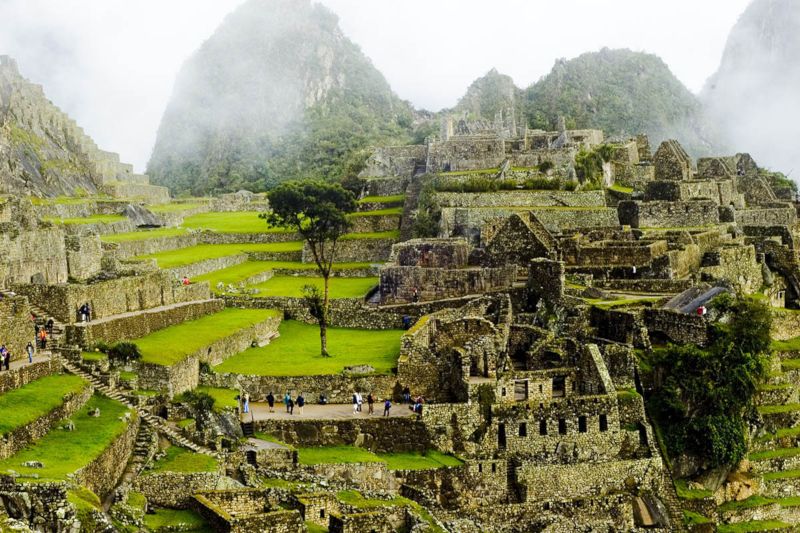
<point x="111" y="64"/>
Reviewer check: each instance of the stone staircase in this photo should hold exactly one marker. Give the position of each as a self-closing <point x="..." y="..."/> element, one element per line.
<point x="669" y="497"/>
<point x="158" y="424"/>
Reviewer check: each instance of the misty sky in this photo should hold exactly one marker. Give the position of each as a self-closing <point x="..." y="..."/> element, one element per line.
<point x="111" y="64"/>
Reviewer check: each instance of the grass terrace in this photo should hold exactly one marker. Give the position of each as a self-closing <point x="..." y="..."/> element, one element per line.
<point x="356" y="499"/>
<point x="778" y="453"/>
<point x="781" y="433"/>
<point x="179" y="459"/>
<point x="64" y="452"/>
<point x="394" y="461"/>
<point x="292" y="286"/>
<point x="419" y="461"/>
<point x="621" y="188"/>
<point x="22" y="406"/>
<point x="231" y="222"/>
<point x="296" y="352"/>
<point x="393" y="199"/>
<point x="754" y="525"/>
<point x="239" y="273"/>
<point x="684" y="492"/>
<point x="176" y="520"/>
<point x="173" y="344"/>
<point x="790" y="345"/>
<point x="223" y="398"/>
<point x="143" y="235"/>
<point x="778" y="409"/>
<point x="395" y="234"/>
<point x="194" y="254"/>
<point x="378" y="212"/>
<point x="94" y="219"/>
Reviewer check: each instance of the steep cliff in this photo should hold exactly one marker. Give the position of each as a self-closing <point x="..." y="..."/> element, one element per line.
<point x="277" y="92"/>
<point x="491" y="94"/>
<point x="753" y="95"/>
<point x="623" y="93"/>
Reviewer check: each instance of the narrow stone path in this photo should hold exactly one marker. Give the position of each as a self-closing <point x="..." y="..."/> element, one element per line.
<point x="260" y="411"/>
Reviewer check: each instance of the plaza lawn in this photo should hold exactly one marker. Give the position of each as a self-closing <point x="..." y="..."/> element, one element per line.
<point x="335" y="455"/>
<point x="292" y="286"/>
<point x="231" y="222"/>
<point x="176" y="520"/>
<point x="22" y="406"/>
<point x="181" y="460"/>
<point x="94" y="219"/>
<point x="193" y="254"/>
<point x="296" y="352"/>
<point x="64" y="452"/>
<point x="143" y="235"/>
<point x="238" y="273"/>
<point x="170" y="345"/>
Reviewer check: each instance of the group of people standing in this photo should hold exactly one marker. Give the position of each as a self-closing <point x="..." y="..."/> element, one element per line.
<point x="299" y="402"/>
<point x="358" y="401"/>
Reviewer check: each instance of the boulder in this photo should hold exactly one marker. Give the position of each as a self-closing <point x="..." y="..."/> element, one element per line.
<point x="142" y="217"/>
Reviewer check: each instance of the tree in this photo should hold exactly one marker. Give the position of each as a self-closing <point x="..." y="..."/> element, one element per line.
<point x="318" y="212"/>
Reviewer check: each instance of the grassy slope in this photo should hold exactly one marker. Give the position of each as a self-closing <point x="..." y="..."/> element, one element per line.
<point x="231" y="222"/>
<point x="170" y="345"/>
<point x="24" y="405"/>
<point x="64" y="452"/>
<point x="181" y="460"/>
<point x="237" y="273"/>
<point x="176" y="520"/>
<point x="193" y="254"/>
<point x="296" y="352"/>
<point x="394" y="461"/>
<point x="293" y="286"/>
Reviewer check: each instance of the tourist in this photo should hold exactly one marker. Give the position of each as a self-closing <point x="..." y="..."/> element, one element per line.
<point x="415" y="295"/>
<point x="387" y="405"/>
<point x="290" y="406"/>
<point x="355" y="402"/>
<point x="359" y="400"/>
<point x="271" y="402"/>
<point x="49" y="326"/>
<point x="286" y="399"/>
<point x="84" y="312"/>
<point x="300" y="402"/>
<point x="42" y="339"/>
<point x="246" y="402"/>
<point x="29" y="349"/>
<point x="323" y="399"/>
<point x="406" y="394"/>
<point x="370" y="403"/>
<point x="185" y="281"/>
<point x="7" y="360"/>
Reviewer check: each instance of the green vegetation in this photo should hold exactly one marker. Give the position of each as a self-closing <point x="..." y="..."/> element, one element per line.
<point x="95" y="356"/>
<point x="781" y="433"/>
<point x="789" y="345"/>
<point x="777" y="409"/>
<point x="223" y="398"/>
<point x="394" y="235"/>
<point x="691" y="518"/>
<point x="782" y="474"/>
<point x="231" y="222"/>
<point x="684" y="492"/>
<point x="313" y="527"/>
<point x="621" y="188"/>
<point x="394" y="199"/>
<point x="378" y="212"/>
<point x="419" y="461"/>
<point x="170" y="345"/>
<point x="335" y="455"/>
<point x="478" y="184"/>
<point x="296" y="352"/>
<point x="94" y="219"/>
<point x="589" y="163"/>
<point x="143" y="235"/>
<point x="429" y="213"/>
<point x="63" y="452"/>
<point x="86" y="504"/>
<point x="759" y="501"/>
<point x="778" y="453"/>
<point x="292" y="286"/>
<point x="754" y="525"/>
<point x="201" y="252"/>
<point x="163" y="520"/>
<point x="610" y="304"/>
<point x="178" y="459"/>
<point x="239" y="273"/>
<point x="355" y="498"/>
<point x="24" y="405"/>
<point x="702" y="395"/>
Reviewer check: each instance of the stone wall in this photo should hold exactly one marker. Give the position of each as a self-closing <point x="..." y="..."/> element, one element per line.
<point x="777" y="215"/>
<point x="677" y="327"/>
<point x="374" y="223"/>
<point x="31" y="253"/>
<point x="668" y="214"/>
<point x="460" y="221"/>
<point x="16" y="327"/>
<point x="128" y="249"/>
<point x="400" y="284"/>
<point x="207" y="265"/>
<point x="357" y="251"/>
<point x="210" y="237"/>
<point x="23" y="375"/>
<point x="391" y="161"/>
<point x="386" y="186"/>
<point x="561" y="482"/>
<point x="84" y="255"/>
<point x="366" y="476"/>
<point x="785" y="324"/>
<point x="338" y="388"/>
<point x="243" y="511"/>
<point x="20" y="437"/>
<point x="139" y="323"/>
<point x="735" y="264"/>
<point x="101" y="475"/>
<point x="522" y="199"/>
<point x="113" y="297"/>
<point x="177" y="489"/>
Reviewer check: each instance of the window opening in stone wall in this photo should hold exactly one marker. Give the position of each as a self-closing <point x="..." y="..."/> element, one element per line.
<point x="562" y="426"/>
<point x="494" y="468"/>
<point x="582" y="424"/>
<point x="603" y="422"/>
<point x="501" y="435"/>
<point x="559" y="386"/>
<point x="542" y="427"/>
<point x="523" y="429"/>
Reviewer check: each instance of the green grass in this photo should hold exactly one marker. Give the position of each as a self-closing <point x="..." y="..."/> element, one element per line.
<point x="627" y="395"/>
<point x="170" y="345"/>
<point x="749" y="503"/>
<point x="63" y="452"/>
<point x="779" y="453"/>
<point x="419" y="461"/>
<point x="292" y="286"/>
<point x="782" y="474"/>
<point x="313" y="527"/>
<point x="621" y="188"/>
<point x="231" y="222"/>
<point x="22" y="406"/>
<point x="778" y="409"/>
<point x="194" y="254"/>
<point x="790" y="364"/>
<point x="94" y="219"/>
<point x="93" y="356"/>
<point x="378" y="212"/>
<point x="335" y="455"/>
<point x="223" y="398"/>
<point x="393" y="199"/>
<point x="469" y="172"/>
<point x="176" y="520"/>
<point x="185" y="423"/>
<point x="755" y="525"/>
<point x="176" y="207"/>
<point x="691" y="518"/>
<point x="774" y="386"/>
<point x="684" y="492"/>
<point x="781" y="433"/>
<point x="181" y="460"/>
<point x="393" y="235"/>
<point x="238" y="273"/>
<point x="789" y="345"/>
<point x="143" y="235"/>
<point x="355" y="498"/>
<point x="610" y="304"/>
<point x="297" y="352"/>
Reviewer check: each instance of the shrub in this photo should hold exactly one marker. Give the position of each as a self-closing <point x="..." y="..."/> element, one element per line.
<point x="124" y="352"/>
<point x="544" y="184"/>
<point x="545" y="166"/>
<point x="570" y="185"/>
<point x="200" y="401"/>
